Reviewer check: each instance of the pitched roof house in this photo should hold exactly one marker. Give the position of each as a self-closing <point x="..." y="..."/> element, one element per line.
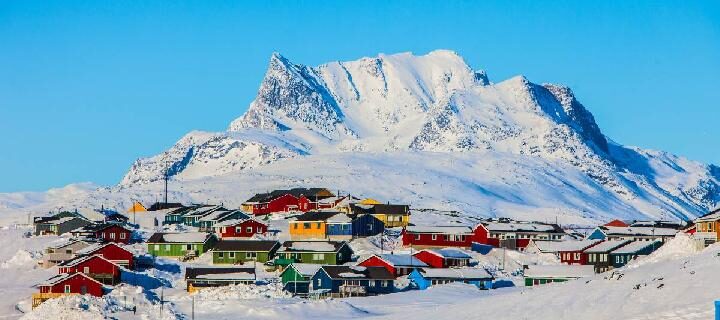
<point x="203" y="277"/>
<point x="396" y="264"/>
<point x="242" y="251"/>
<point x="423" y="278"/>
<point x="349" y="281"/>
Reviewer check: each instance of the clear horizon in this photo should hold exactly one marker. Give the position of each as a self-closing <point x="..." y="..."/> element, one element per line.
<point x="87" y="89"/>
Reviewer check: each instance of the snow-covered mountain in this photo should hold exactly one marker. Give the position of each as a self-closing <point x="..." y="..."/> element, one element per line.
<point x="454" y="140"/>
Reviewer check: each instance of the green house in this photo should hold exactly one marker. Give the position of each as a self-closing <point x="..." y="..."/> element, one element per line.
<point x="186" y="244"/>
<point x="297" y="276"/>
<point x="542" y="274"/>
<point x="315" y="252"/>
<point x="241" y="251"/>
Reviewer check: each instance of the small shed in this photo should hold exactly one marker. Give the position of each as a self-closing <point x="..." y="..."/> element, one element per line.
<point x="202" y="277"/>
<point x="542" y="274"/>
<point x="423" y="278"/>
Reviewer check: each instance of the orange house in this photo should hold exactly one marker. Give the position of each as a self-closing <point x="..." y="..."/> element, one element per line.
<point x="706" y="228"/>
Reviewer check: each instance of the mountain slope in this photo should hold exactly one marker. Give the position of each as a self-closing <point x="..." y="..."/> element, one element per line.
<point x="347" y="115"/>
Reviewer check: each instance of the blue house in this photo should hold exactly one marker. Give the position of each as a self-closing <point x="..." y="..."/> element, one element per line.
<point x="621" y="256"/>
<point x="365" y="225"/>
<point x="338" y="227"/>
<point x="423" y="278"/>
<point x="350" y="281"/>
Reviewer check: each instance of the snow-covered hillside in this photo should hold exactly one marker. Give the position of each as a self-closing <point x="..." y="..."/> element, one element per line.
<point x="426" y="130"/>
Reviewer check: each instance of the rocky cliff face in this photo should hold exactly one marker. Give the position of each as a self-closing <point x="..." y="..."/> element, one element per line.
<point x="433" y="103"/>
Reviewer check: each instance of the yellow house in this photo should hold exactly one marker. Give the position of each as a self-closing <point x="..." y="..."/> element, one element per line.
<point x="310" y="225"/>
<point x="137" y="207"/>
<point x="392" y="215"/>
<point x="369" y="201"/>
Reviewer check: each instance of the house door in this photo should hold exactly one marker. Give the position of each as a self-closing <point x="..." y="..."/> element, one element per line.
<point x="83" y="290"/>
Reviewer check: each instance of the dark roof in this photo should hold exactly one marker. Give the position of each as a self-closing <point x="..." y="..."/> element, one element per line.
<point x="164" y="205"/>
<point x="380" y="208"/>
<point x="194" y="272"/>
<point x="158" y="237"/>
<point x="375" y="273"/>
<point x="288" y="245"/>
<point x="295" y="192"/>
<point x="246" y="245"/>
<point x="102" y="226"/>
<point x="316" y="215"/>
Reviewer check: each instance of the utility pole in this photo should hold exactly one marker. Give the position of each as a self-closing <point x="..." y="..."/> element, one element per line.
<point x="133" y="207"/>
<point x="162" y="300"/>
<point x="167" y="173"/>
<point x="192" y="314"/>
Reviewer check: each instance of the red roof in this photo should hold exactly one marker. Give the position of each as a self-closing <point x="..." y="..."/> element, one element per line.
<point x="616" y="223"/>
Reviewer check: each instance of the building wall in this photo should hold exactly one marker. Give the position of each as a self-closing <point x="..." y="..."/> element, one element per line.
<point x="240" y="257"/>
<point x="307" y="230"/>
<point x="76" y="284"/>
<point x="367" y="225"/>
<point x="279" y="204"/>
<point x="114" y="234"/>
<point x="117" y="255"/>
<point x="430" y="259"/>
<point x="96" y="266"/>
<point x="435" y="240"/>
<point x="374" y="261"/>
<point x="175" y="249"/>
<point x="241" y="230"/>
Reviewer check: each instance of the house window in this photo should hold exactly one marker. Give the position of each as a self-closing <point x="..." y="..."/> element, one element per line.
<point x="188" y="247"/>
<point x="319" y="282"/>
<point x="103" y="234"/>
<point x="167" y="247"/>
<point x="318" y="256"/>
<point x="372" y="283"/>
<point x="221" y="255"/>
<point x="434" y="237"/>
<point x="83" y="290"/>
<point x="306" y="226"/>
<point x="122" y="235"/>
<point x="68" y="251"/>
<point x="248" y="229"/>
<point x="231" y="255"/>
<point x="67" y="288"/>
<point x="317" y="225"/>
<point x="259" y="230"/>
<point x="417" y="237"/>
<point x="157" y="247"/>
<point x="86" y="270"/>
<point x="251" y="255"/>
<point x="295" y="225"/>
<point x="384" y="283"/>
<point x="112" y="235"/>
<point x="577" y="256"/>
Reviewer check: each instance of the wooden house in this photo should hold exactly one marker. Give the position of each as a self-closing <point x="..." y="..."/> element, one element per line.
<point x="208" y="222"/>
<point x="68" y="284"/>
<point x="94" y="266"/>
<point x="181" y="245"/>
<point x="157" y="206"/>
<point x="541" y="274"/>
<point x="239" y="228"/>
<point x="351" y="281"/>
<point x="242" y="251"/>
<point x="423" y="278"/>
<point x="366" y="225"/>
<point x="569" y="251"/>
<point x="296" y="277"/>
<point x="110" y="251"/>
<point x="175" y="216"/>
<point x="204" y="277"/>
<point x="59" y="224"/>
<point x="397" y="264"/>
<point x="392" y="215"/>
<point x="599" y="254"/>
<point x="515" y="235"/>
<point x="621" y="256"/>
<point x="316" y="252"/>
<point x="444" y="258"/>
<point x="438" y="236"/>
<point x="292" y="200"/>
<point x="192" y="217"/>
<point x="707" y="228"/>
<point x="62" y="252"/>
<point x="104" y="232"/>
<point x="632" y="233"/>
<point x="334" y="225"/>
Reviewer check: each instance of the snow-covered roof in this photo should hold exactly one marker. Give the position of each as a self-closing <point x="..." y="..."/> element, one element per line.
<point x="306" y="269"/>
<point x="214" y="215"/>
<point x="636" y="246"/>
<point x="67" y="243"/>
<point x="339" y="218"/>
<point x="402" y="260"/>
<point x="317" y="246"/>
<point x="559" y="271"/>
<point x="516" y="226"/>
<point x="606" y="246"/>
<point x="451" y="253"/>
<point x="638" y="231"/>
<point x="233" y="222"/>
<point x="439" y="229"/>
<point x="82" y="259"/>
<point x="456" y="273"/>
<point x="711" y="217"/>
<point x="558" y="246"/>
<point x="179" y="237"/>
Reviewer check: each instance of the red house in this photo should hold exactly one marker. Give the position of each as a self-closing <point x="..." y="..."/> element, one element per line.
<point x="67" y="284"/>
<point x="110" y="251"/>
<point x="443" y="258"/>
<point x="396" y="264"/>
<point x="573" y="251"/>
<point x="293" y="200"/>
<point x="515" y="235"/>
<point x="95" y="266"/>
<point x="113" y="233"/>
<point x="443" y="236"/>
<point x="239" y="228"/>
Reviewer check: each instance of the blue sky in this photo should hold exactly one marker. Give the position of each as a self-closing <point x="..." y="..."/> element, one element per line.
<point x="85" y="89"/>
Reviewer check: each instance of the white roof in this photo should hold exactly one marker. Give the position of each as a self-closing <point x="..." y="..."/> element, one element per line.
<point x="228" y="276"/>
<point x="351" y="275"/>
<point x="639" y="231"/>
<point x="637" y="246"/>
<point x="339" y="218"/>
<point x="606" y="246"/>
<point x="456" y="273"/>
<point x="214" y="215"/>
<point x="559" y="271"/>
<point x="79" y="260"/>
<point x="515" y="226"/>
<point x="711" y="217"/>
<point x="402" y="260"/>
<point x="558" y="246"/>
<point x="233" y="222"/>
<point x="306" y="269"/>
<point x="185" y="237"/>
<point x="451" y="253"/>
<point x="440" y="229"/>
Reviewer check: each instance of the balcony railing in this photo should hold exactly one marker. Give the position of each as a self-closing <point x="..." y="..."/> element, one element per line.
<point x="352" y="290"/>
<point x="40" y="297"/>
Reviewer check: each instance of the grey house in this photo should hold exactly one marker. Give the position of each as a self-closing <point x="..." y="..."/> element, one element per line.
<point x="58" y="226"/>
<point x="62" y="252"/>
